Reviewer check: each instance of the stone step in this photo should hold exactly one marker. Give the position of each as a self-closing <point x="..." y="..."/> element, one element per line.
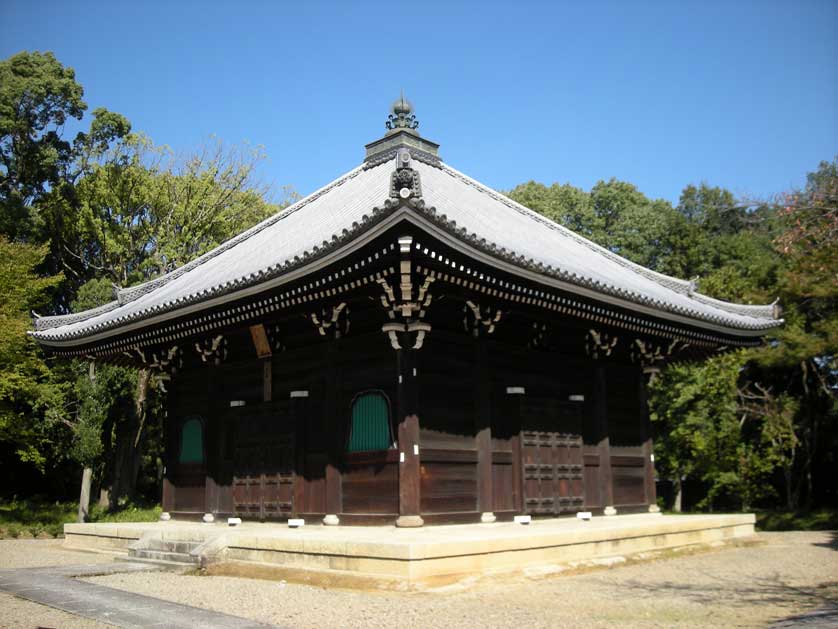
<point x="162" y="555"/>
<point x="172" y="546"/>
<point x="175" y="566"/>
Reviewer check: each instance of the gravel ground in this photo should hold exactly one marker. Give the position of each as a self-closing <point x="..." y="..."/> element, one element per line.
<point x="739" y="587"/>
<point x="34" y="553"/>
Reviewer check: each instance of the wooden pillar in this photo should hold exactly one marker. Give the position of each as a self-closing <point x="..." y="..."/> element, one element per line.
<point x="210" y="435"/>
<point x="298" y="404"/>
<point x="600" y="410"/>
<point x="267" y="379"/>
<point x="167" y="499"/>
<point x="334" y="501"/>
<point x="648" y="448"/>
<point x="483" y="424"/>
<point x="410" y="491"/>
<point x="515" y="396"/>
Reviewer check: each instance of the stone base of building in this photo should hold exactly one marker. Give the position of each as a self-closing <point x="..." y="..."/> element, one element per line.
<point x="412" y="558"/>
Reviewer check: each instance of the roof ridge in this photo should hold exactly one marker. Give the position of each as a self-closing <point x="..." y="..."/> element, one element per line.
<point x="376" y="213"/>
<point x="676" y="284"/>
<point x="54" y="321"/>
<point x="131" y="293"/>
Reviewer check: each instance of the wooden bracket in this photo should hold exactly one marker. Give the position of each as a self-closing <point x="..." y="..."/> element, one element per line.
<point x="482" y="318"/>
<point x="599" y="344"/>
<point x="337" y="320"/>
<point x="652" y="357"/>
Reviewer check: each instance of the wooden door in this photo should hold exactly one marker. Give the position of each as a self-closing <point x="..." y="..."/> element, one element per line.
<point x="190" y="468"/>
<point x="263" y="465"/>
<point x="552" y="458"/>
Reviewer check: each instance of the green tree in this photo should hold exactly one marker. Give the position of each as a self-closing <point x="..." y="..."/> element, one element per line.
<point x="141" y="211"/>
<point x="28" y="391"/>
<point x="802" y="359"/>
<point x="37" y="96"/>
<point x="564" y="204"/>
<point x="714" y="209"/>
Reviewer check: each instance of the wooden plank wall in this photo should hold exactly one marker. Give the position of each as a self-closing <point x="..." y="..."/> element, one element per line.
<point x="626" y="432"/>
<point x="448" y="425"/>
<point x="186" y="483"/>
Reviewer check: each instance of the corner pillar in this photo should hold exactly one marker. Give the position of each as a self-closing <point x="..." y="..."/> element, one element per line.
<point x="410" y="486"/>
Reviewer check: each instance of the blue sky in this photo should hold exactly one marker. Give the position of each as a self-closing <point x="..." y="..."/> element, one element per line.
<point x="661" y="94"/>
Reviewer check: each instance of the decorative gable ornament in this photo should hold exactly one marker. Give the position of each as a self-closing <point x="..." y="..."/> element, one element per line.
<point x="404" y="182"/>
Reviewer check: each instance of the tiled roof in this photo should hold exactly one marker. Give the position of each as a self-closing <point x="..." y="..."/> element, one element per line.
<point x="353" y="204"/>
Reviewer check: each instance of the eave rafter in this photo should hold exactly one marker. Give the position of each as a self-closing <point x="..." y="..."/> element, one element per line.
<point x="375" y="265"/>
<point x="431" y="261"/>
<point x="450" y="268"/>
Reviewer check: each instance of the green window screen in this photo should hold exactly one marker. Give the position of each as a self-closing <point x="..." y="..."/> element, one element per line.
<point x="370" y="423"/>
<point x="192" y="442"/>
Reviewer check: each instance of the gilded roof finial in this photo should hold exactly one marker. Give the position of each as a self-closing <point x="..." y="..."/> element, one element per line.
<point x="402" y="116"/>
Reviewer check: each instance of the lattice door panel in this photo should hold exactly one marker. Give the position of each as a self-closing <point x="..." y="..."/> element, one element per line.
<point x="263" y="479"/>
<point x="247" y="481"/>
<point x="553" y="468"/>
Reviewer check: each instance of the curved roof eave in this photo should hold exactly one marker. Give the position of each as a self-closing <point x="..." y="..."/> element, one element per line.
<point x="364" y="191"/>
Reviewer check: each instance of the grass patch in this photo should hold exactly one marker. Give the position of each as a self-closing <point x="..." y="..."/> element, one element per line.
<point x="39" y="518"/>
<point x="787" y="521"/>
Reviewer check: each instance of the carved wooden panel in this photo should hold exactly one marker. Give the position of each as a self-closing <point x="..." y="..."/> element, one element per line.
<point x="553" y="472"/>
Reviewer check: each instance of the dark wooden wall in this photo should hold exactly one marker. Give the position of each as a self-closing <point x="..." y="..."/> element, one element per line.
<point x="482" y="449"/>
<point x="448" y="425"/>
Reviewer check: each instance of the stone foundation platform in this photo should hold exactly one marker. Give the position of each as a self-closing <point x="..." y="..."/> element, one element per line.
<point x="387" y="556"/>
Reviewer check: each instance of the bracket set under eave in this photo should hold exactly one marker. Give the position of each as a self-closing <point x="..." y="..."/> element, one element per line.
<point x="599" y="344"/>
<point x="481" y="318"/>
<point x="652" y="357"/>
<point x="164" y="365"/>
<point x="212" y="350"/>
<point x="336" y="319"/>
<point x="411" y="310"/>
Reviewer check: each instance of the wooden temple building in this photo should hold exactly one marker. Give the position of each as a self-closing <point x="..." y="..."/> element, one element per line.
<point x="407" y="345"/>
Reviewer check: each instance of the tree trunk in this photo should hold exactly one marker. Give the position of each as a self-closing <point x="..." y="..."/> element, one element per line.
<point x="128" y="445"/>
<point x="679" y="495"/>
<point x="84" y="498"/>
<point x="787" y="476"/>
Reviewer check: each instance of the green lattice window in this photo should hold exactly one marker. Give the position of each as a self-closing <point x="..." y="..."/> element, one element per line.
<point x="370" y="428"/>
<point x="192" y="441"/>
